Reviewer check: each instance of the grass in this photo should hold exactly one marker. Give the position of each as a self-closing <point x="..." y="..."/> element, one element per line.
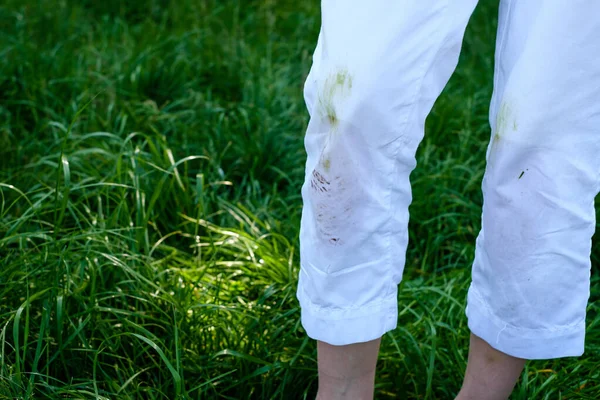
<point x="151" y="157"/>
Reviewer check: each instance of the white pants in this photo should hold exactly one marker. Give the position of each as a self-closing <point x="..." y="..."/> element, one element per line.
<point x="378" y="67"/>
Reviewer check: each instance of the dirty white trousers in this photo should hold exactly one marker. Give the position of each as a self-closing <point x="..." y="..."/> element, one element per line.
<point x="378" y="67"/>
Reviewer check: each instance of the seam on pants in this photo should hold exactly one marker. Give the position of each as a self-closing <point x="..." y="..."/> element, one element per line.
<point x="500" y="321"/>
<point x="392" y="287"/>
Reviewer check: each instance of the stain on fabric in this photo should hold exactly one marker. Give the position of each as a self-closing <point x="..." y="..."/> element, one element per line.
<point x="332" y="117"/>
<point x="332" y="191"/>
<point x="336" y="87"/>
<point x="343" y="79"/>
<point x="506" y="123"/>
<point x="319" y="183"/>
<point x="523" y="173"/>
<point x="333" y="206"/>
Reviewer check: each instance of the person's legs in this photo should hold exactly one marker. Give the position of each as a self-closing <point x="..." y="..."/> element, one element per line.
<point x="491" y="374"/>
<point x="347" y="372"/>
<point x="531" y="271"/>
<point x="378" y="68"/>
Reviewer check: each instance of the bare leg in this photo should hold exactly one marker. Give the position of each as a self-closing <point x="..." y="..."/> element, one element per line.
<point x="347" y="372"/>
<point x="491" y="374"/>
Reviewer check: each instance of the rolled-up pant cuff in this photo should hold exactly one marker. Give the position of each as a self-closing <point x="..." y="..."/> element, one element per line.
<point x="532" y="344"/>
<point x="340" y="327"/>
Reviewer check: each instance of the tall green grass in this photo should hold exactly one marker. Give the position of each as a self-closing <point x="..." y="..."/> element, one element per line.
<point x="151" y="155"/>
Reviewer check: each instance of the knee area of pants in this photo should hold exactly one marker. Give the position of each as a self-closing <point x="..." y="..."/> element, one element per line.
<point x="535" y="120"/>
<point x="326" y="91"/>
<point x="340" y="154"/>
<point x="343" y="96"/>
<point x="517" y="124"/>
<point x="333" y="200"/>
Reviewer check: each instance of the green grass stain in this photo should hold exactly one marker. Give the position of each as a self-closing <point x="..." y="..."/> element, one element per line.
<point x="501" y="120"/>
<point x="332" y="117"/>
<point x="505" y="119"/>
<point x="337" y="84"/>
<point x="341" y="77"/>
<point x="496" y="138"/>
<point x="506" y="122"/>
<point x="336" y="87"/>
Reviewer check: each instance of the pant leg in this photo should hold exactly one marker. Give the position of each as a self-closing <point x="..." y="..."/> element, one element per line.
<point x="531" y="272"/>
<point x="378" y="67"/>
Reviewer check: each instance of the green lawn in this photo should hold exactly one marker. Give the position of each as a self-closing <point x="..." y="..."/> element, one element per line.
<point x="151" y="157"/>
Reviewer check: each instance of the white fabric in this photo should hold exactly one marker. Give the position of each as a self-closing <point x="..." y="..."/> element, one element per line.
<point x="377" y="70"/>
